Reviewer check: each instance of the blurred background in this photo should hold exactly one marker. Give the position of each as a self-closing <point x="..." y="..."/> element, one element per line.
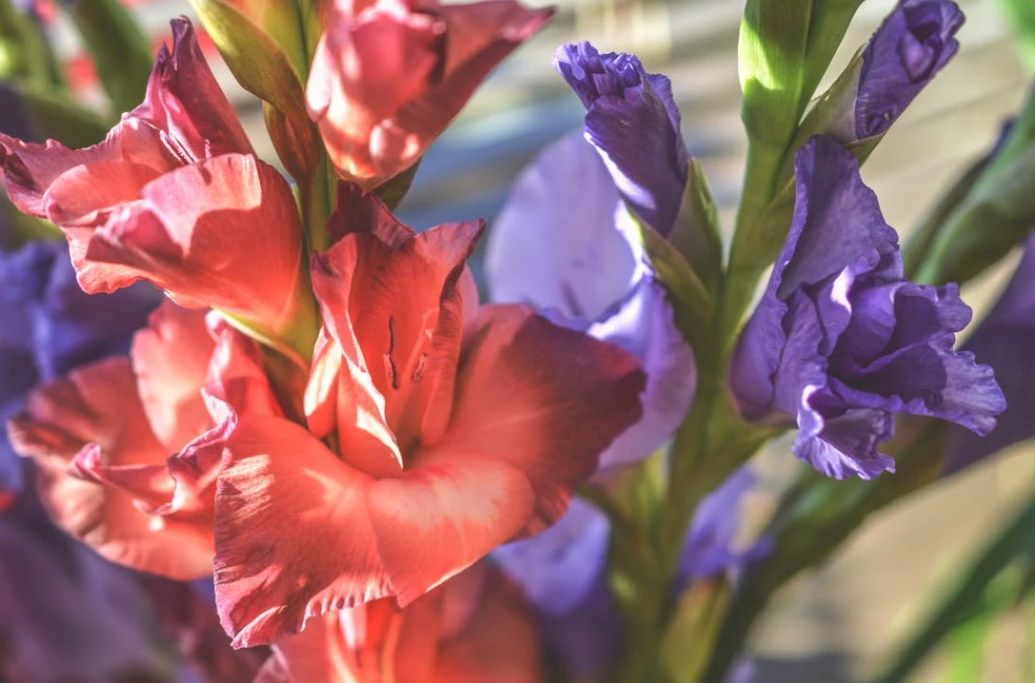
<point x="838" y="623"/>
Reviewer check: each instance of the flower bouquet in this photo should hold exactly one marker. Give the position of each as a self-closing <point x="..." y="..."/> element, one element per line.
<point x="258" y="428"/>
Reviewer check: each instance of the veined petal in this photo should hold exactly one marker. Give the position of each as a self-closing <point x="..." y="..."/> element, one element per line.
<point x="294" y="537"/>
<point x="170" y="360"/>
<point x="96" y="419"/>
<point x="522" y="384"/>
<point x="223" y="233"/>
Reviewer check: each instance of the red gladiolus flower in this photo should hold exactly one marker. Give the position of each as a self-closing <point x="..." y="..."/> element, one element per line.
<point x="101" y="440"/>
<point x="472" y="629"/>
<point x="388" y="76"/>
<point x="173" y="195"/>
<point x="457" y="428"/>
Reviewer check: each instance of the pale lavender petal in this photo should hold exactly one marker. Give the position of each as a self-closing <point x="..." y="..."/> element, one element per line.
<point x="554" y="245"/>
<point x="644" y="325"/>
<point x="632" y="120"/>
<point x="557" y="568"/>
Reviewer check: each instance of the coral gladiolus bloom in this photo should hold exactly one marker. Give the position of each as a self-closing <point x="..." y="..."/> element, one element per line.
<point x="459" y="428"/>
<point x="473" y="628"/>
<point x="173" y="195"/>
<point x="102" y="437"/>
<point x="388" y="76"/>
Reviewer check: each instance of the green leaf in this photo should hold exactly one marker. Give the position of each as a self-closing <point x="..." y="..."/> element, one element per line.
<point x="997" y="213"/>
<point x="394" y="190"/>
<point x="690" y="301"/>
<point x="772" y="56"/>
<point x="696" y="232"/>
<point x="830" y="21"/>
<point x="1021" y="18"/>
<point x="690" y="634"/>
<point x="119" y="48"/>
<point x="966" y="598"/>
<point x="54" y="115"/>
<point x="25" y="54"/>
<point x="262" y="68"/>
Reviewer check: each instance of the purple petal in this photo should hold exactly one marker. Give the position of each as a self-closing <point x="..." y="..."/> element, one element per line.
<point x="840" y="340"/>
<point x="837" y="222"/>
<point x="909" y="48"/>
<point x="644" y="324"/>
<point x="633" y="122"/>
<point x="589" y="640"/>
<point x="846" y="446"/>
<point x="557" y="568"/>
<point x="554" y="244"/>
<point x="709" y="546"/>
<point x="1004" y="340"/>
<point x="65" y="613"/>
<point x="70" y="328"/>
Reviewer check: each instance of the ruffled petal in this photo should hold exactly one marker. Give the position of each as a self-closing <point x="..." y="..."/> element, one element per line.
<point x="170" y="360"/>
<point x="221" y="233"/>
<point x="294" y="537"/>
<point x="184" y="100"/>
<point x="95" y="420"/>
<point x="522" y="384"/>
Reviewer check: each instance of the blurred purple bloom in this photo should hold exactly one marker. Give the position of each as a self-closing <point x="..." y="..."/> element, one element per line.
<point x="709" y="549"/>
<point x="563" y="245"/>
<point x="909" y="48"/>
<point x="563" y="573"/>
<point x="632" y="120"/>
<point x="65" y="613"/>
<point x="1005" y="340"/>
<point x="841" y="340"/>
<point x="13" y="118"/>
<point x="51" y="326"/>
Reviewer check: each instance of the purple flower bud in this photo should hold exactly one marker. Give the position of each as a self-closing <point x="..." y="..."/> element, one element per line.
<point x="841" y="340"/>
<point x="909" y="48"/>
<point x="632" y="120"/>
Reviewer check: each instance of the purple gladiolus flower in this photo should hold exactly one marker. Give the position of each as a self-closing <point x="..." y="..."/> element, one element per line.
<point x="909" y="48"/>
<point x="632" y="120"/>
<point x="563" y="244"/>
<point x="1005" y="340"/>
<point x="841" y="340"/>
<point x="562" y="572"/>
